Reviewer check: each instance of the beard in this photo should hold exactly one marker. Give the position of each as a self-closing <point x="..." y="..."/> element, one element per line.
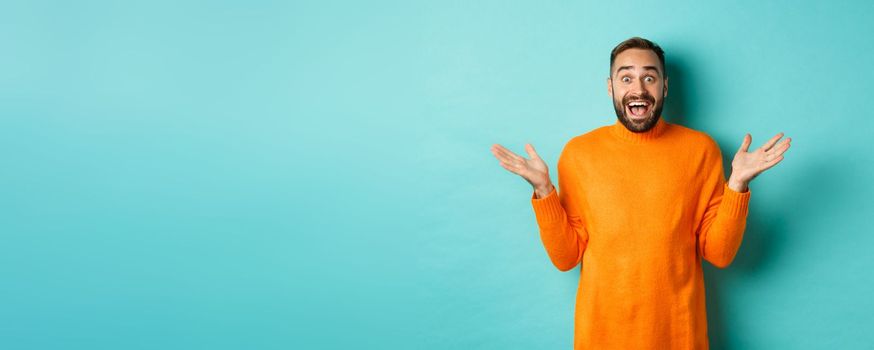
<point x="644" y="125"/>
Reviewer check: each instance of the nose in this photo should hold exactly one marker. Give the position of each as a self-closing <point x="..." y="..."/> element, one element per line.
<point x="639" y="87"/>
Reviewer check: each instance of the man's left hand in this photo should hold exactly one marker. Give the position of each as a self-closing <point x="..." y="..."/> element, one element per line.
<point x="747" y="165"/>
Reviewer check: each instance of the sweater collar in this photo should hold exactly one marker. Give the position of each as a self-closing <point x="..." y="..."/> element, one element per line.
<point x="620" y="131"/>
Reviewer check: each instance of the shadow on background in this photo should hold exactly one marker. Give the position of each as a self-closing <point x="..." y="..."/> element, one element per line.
<point x="767" y="232"/>
<point x="755" y="243"/>
<point x="677" y="110"/>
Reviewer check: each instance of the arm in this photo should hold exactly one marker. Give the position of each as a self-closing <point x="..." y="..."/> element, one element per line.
<point x="561" y="227"/>
<point x="721" y="230"/>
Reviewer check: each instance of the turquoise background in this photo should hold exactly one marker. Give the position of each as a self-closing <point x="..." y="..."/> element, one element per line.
<point x="274" y="175"/>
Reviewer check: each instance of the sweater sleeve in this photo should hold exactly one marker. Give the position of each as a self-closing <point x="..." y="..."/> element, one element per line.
<point x="721" y="229"/>
<point x="558" y="217"/>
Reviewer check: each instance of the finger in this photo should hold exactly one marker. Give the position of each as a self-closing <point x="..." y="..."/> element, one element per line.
<point x="745" y="145"/>
<point x="531" y="152"/>
<point x="509" y="168"/>
<point x="505" y="159"/>
<point x="512" y="168"/>
<point x="497" y="148"/>
<point x="780" y="147"/>
<point x="502" y="155"/>
<point x="767" y="146"/>
<point x="782" y="142"/>
<point x="507" y="153"/>
<point x="771" y="163"/>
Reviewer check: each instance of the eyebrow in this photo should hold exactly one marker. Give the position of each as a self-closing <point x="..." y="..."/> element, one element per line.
<point x="644" y="67"/>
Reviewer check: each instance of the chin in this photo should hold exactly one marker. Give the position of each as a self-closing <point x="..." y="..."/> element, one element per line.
<point x="641" y="125"/>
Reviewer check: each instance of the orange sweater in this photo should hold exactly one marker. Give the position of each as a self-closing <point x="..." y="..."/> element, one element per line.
<point x="640" y="211"/>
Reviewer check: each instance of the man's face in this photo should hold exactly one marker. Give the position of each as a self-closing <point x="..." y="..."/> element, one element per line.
<point x="638" y="88"/>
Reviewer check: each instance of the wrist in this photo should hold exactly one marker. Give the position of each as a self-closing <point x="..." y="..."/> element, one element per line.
<point x="543" y="191"/>
<point x="738" y="185"/>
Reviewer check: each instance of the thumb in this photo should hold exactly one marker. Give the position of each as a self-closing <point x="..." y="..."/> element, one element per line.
<point x="531" y="152"/>
<point x="746" y="143"/>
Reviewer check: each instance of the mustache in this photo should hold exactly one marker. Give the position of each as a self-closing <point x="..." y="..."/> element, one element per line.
<point x="642" y="97"/>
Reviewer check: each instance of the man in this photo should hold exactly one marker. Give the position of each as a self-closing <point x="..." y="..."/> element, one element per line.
<point x="640" y="203"/>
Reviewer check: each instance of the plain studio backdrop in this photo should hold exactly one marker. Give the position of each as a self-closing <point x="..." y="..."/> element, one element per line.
<point x="275" y="175"/>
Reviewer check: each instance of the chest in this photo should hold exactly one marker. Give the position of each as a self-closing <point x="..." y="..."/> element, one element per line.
<point x="640" y="192"/>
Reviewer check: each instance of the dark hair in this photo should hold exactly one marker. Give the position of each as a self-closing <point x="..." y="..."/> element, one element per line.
<point x="638" y="43"/>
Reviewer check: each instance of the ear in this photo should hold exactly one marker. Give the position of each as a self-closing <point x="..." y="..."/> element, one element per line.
<point x="609" y="87"/>
<point x="666" y="88"/>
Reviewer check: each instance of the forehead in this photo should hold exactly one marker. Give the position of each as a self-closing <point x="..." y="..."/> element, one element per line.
<point x="637" y="58"/>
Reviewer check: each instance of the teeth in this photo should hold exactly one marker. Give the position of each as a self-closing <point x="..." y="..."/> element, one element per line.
<point x="637" y="104"/>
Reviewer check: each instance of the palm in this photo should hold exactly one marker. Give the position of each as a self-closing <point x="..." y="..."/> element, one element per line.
<point x="747" y="165"/>
<point x="533" y="170"/>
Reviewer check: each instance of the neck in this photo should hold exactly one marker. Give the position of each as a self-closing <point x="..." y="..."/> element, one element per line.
<point x="620" y="131"/>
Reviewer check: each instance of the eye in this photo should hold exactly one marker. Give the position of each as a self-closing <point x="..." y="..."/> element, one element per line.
<point x="626" y="79"/>
<point x="649" y="79"/>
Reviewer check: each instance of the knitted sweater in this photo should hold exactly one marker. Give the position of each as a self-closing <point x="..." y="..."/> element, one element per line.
<point x="640" y="211"/>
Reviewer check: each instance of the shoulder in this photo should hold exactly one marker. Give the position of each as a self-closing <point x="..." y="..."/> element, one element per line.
<point x="588" y="140"/>
<point x="701" y="148"/>
<point x="582" y="147"/>
<point x="696" y="139"/>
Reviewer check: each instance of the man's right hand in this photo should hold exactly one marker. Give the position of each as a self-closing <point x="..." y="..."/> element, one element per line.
<point x="533" y="170"/>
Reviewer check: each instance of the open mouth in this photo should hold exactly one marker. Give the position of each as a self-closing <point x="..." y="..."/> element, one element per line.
<point x="638" y="109"/>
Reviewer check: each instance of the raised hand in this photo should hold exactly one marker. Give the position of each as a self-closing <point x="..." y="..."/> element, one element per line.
<point x="533" y="170"/>
<point x="747" y="165"/>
